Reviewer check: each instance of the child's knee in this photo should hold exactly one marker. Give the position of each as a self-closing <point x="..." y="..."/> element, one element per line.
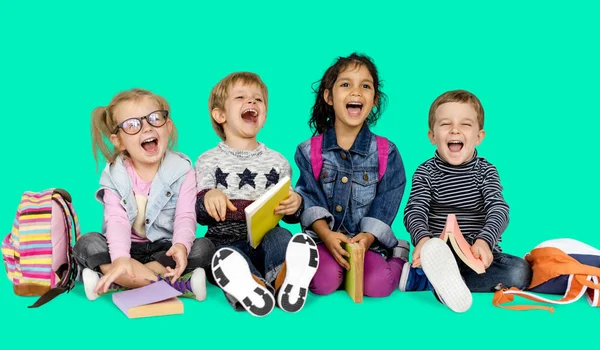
<point x="327" y="279"/>
<point x="201" y="253"/>
<point x="279" y="235"/>
<point x="275" y="244"/>
<point x="519" y="274"/>
<point x="90" y="244"/>
<point x="380" y="283"/>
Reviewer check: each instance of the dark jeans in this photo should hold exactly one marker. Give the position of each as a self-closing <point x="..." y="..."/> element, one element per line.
<point x="507" y="269"/>
<point x="264" y="262"/>
<point x="267" y="259"/>
<point x="91" y="251"/>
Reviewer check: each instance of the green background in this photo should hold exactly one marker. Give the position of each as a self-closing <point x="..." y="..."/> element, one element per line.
<point x="534" y="67"/>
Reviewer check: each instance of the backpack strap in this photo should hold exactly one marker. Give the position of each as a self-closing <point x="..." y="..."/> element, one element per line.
<point x="507" y="295"/>
<point x="578" y="284"/>
<point x="68" y="277"/>
<point x="316" y="155"/>
<point x="382" y="154"/>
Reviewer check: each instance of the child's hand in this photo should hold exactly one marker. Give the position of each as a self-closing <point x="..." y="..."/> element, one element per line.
<point x="179" y="254"/>
<point x="333" y="241"/>
<point x="217" y="203"/>
<point x="119" y="267"/>
<point x="289" y="205"/>
<point x="417" y="252"/>
<point x="364" y="238"/>
<point x="481" y="250"/>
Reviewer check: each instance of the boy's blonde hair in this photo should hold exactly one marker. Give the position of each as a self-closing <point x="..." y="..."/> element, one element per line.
<point x="220" y="92"/>
<point x="104" y="122"/>
<point x="460" y="96"/>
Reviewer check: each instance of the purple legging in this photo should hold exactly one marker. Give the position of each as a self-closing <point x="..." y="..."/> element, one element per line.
<point x="381" y="276"/>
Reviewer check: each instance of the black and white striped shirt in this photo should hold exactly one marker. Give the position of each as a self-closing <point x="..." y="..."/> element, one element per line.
<point x="472" y="191"/>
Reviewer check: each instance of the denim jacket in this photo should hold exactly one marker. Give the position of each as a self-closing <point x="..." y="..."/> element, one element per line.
<point x="162" y="200"/>
<point x="348" y="194"/>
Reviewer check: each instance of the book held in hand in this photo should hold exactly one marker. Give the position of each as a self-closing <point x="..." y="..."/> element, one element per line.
<point x="260" y="215"/>
<point x="355" y="276"/>
<point x="461" y="247"/>
<point x="155" y="299"/>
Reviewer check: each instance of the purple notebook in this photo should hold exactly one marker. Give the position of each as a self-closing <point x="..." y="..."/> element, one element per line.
<point x="149" y="294"/>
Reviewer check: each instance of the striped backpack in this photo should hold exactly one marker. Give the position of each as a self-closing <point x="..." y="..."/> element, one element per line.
<point x="561" y="266"/>
<point x="38" y="253"/>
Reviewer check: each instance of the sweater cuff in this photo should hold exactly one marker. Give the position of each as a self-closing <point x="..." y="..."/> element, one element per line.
<point x="419" y="236"/>
<point x="488" y="238"/>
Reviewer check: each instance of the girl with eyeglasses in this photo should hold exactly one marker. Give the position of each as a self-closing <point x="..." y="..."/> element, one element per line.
<point x="148" y="192"/>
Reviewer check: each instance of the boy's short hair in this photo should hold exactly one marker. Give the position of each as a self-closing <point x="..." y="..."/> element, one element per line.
<point x="460" y="96"/>
<point x="220" y="92"/>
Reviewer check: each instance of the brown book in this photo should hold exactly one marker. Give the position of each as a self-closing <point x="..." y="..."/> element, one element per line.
<point x="355" y="276"/>
<point x="170" y="306"/>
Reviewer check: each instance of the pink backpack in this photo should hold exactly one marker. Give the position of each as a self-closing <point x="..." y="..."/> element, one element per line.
<point x="38" y="253"/>
<point x="316" y="155"/>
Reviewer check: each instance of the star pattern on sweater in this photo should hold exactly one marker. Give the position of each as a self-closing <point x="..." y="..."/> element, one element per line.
<point x="272" y="177"/>
<point x="221" y="177"/>
<point x="247" y="178"/>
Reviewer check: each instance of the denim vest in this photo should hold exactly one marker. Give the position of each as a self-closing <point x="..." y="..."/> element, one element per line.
<point x="162" y="200"/>
<point x="349" y="194"/>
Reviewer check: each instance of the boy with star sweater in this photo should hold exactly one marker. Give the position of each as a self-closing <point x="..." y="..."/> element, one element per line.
<point x="232" y="176"/>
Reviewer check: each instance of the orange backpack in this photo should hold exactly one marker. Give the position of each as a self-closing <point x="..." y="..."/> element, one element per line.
<point x="561" y="266"/>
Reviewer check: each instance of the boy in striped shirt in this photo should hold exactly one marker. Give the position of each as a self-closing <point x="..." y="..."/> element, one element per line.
<point x="457" y="181"/>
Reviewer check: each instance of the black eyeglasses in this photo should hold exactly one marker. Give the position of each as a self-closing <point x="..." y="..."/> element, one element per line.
<point x="132" y="126"/>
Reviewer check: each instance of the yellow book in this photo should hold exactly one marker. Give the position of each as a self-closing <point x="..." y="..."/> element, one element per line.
<point x="172" y="306"/>
<point x="355" y="276"/>
<point x="260" y="215"/>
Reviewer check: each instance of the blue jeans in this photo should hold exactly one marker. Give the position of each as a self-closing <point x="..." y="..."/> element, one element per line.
<point x="509" y="270"/>
<point x="267" y="259"/>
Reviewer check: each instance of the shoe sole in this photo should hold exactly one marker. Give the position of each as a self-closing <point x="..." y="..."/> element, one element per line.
<point x="90" y="281"/>
<point x="404" y="276"/>
<point x="233" y="275"/>
<point x="302" y="261"/>
<point x="442" y="271"/>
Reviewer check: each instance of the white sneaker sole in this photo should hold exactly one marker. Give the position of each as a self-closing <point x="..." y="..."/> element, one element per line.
<point x="233" y="275"/>
<point x="90" y="281"/>
<point x="302" y="261"/>
<point x="404" y="276"/>
<point x="441" y="270"/>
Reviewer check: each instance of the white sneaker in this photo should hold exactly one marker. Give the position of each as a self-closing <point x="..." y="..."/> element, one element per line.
<point x="441" y="269"/>
<point x="404" y="276"/>
<point x="301" y="262"/>
<point x="90" y="281"/>
<point x="233" y="275"/>
<point x="198" y="284"/>
<point x="401" y="250"/>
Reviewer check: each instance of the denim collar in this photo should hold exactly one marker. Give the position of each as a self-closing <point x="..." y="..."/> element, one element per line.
<point x="456" y="169"/>
<point x="361" y="145"/>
